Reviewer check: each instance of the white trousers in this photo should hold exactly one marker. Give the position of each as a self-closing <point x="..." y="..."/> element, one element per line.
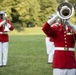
<point x="50" y="58"/>
<point x="3" y="53"/>
<point x="50" y="48"/>
<point x="64" y="71"/>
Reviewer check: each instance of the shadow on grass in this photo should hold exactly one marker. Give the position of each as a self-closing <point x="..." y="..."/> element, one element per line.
<point x="19" y="29"/>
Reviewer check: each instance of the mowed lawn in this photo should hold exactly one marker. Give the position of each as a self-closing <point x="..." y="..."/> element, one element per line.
<point x="27" y="56"/>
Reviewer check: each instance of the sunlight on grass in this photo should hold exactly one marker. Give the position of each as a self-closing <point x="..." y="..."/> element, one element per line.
<point x="27" y="56"/>
<point x="27" y="31"/>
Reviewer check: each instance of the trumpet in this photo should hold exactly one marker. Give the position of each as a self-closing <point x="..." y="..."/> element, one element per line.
<point x="4" y="17"/>
<point x="65" y="10"/>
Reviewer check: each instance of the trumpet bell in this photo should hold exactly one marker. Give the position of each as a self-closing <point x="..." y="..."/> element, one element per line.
<point x="65" y="10"/>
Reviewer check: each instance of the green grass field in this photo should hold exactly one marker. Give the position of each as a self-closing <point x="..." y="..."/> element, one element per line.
<point x="27" y="31"/>
<point x="27" y="56"/>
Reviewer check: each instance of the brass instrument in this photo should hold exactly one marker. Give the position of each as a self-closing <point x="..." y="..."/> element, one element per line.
<point x="65" y="10"/>
<point x="4" y="17"/>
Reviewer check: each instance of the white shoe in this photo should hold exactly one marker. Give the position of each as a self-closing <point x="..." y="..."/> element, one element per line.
<point x="49" y="62"/>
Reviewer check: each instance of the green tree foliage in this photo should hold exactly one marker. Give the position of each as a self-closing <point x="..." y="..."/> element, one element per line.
<point x="71" y="1"/>
<point x="29" y="12"/>
<point x="26" y="11"/>
<point x="47" y="7"/>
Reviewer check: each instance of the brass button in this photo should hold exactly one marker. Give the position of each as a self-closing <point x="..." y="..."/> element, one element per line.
<point x="65" y="38"/>
<point x="65" y="45"/>
<point x="65" y="41"/>
<point x="64" y="35"/>
<point x="64" y="31"/>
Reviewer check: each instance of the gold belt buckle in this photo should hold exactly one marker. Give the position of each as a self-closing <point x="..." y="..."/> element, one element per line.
<point x="2" y="32"/>
<point x="66" y="48"/>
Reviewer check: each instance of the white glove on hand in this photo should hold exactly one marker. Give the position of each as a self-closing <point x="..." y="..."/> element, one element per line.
<point x="71" y="25"/>
<point x="50" y="21"/>
<point x="2" y="23"/>
<point x="8" y="25"/>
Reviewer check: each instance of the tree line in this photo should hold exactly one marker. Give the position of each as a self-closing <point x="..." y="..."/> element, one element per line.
<point x="28" y="13"/>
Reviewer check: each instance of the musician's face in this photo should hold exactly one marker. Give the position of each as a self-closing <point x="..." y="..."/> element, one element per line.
<point x="1" y="16"/>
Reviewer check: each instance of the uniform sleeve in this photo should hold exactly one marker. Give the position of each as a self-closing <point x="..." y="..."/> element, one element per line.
<point x="11" y="26"/>
<point x="49" y="31"/>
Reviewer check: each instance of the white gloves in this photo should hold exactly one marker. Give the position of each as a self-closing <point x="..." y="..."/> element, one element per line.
<point x="2" y="23"/>
<point x="7" y="26"/>
<point x="50" y="21"/>
<point x="71" y="25"/>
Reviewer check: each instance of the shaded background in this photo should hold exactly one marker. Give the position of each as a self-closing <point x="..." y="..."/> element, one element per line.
<point x="31" y="13"/>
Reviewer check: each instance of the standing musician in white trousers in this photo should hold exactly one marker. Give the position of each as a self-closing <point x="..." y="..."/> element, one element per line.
<point x="64" y="36"/>
<point x="49" y="49"/>
<point x="50" y="42"/>
<point x="5" y="26"/>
